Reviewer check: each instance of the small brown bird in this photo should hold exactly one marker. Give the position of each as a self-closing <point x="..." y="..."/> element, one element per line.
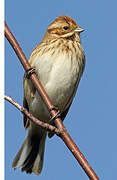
<point x="59" y="61"/>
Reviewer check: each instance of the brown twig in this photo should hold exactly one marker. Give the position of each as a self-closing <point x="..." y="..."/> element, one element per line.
<point x="64" y="135"/>
<point x="45" y="126"/>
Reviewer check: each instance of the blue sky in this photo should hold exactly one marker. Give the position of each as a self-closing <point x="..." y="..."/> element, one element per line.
<point x="92" y="119"/>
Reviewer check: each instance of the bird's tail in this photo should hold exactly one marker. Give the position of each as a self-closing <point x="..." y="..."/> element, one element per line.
<point x="30" y="156"/>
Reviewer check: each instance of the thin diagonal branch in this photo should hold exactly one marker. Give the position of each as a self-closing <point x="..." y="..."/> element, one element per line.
<point x="45" y="126"/>
<point x="64" y="135"/>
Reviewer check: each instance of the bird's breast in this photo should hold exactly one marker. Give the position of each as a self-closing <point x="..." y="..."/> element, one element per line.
<point x="58" y="74"/>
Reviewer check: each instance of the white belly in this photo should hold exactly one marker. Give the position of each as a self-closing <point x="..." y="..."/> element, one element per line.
<point x="58" y="75"/>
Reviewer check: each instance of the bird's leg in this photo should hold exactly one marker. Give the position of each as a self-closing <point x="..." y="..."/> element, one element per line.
<point x="57" y="115"/>
<point x="29" y="73"/>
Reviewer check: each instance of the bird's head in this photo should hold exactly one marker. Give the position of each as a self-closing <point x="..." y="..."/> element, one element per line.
<point x="63" y="27"/>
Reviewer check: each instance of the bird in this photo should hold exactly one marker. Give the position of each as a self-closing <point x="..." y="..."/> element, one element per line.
<point x="59" y="62"/>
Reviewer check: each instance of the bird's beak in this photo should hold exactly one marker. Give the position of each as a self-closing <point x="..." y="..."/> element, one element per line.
<point x="79" y="30"/>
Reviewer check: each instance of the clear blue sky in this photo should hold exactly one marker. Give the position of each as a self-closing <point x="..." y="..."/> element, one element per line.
<point x="92" y="120"/>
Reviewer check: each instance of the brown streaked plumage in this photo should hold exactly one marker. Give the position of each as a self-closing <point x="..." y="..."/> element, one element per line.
<point x="59" y="61"/>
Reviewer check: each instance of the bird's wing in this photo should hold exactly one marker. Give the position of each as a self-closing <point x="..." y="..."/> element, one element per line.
<point x="25" y="119"/>
<point x="29" y="91"/>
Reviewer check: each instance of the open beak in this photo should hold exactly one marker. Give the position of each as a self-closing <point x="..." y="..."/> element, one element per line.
<point x="79" y="30"/>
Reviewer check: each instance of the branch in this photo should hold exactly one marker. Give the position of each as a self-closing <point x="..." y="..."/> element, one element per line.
<point x="53" y="112"/>
<point x="45" y="126"/>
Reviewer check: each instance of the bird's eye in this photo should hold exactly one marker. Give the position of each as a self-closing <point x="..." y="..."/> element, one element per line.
<point x="65" y="27"/>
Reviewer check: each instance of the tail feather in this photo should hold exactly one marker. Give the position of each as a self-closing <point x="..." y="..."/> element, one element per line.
<point x="30" y="156"/>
